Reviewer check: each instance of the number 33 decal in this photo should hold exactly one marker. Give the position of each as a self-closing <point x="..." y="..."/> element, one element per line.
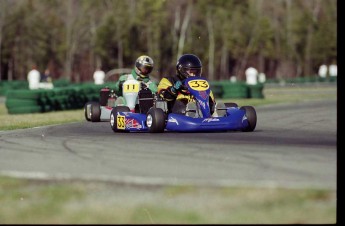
<point x="121" y="122"/>
<point x="199" y="85"/>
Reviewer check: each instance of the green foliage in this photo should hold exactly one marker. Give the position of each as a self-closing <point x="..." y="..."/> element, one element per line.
<point x="74" y="36"/>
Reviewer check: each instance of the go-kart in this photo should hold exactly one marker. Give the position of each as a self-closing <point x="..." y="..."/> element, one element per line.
<point x="132" y="90"/>
<point x="100" y="111"/>
<point x="193" y="116"/>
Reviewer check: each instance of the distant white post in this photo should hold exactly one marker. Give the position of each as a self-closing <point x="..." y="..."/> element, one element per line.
<point x="333" y="70"/>
<point x="99" y="76"/>
<point x="251" y="76"/>
<point x="34" y="78"/>
<point x="262" y="77"/>
<point x="233" y="79"/>
<point x="323" y="71"/>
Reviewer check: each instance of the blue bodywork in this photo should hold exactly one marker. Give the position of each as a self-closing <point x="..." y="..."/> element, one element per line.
<point x="182" y="123"/>
<point x="234" y="119"/>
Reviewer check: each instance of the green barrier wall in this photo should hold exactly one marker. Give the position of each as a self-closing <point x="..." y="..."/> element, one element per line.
<point x="63" y="96"/>
<point x="12" y="85"/>
<point x="256" y="91"/>
<point x="228" y="90"/>
<point x="20" y="101"/>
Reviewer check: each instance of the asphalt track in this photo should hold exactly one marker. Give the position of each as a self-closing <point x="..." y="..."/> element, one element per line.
<point x="293" y="146"/>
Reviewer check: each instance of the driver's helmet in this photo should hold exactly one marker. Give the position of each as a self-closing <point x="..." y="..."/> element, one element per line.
<point x="188" y="65"/>
<point x="143" y="66"/>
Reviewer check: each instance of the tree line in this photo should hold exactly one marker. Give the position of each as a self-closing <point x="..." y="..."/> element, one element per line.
<point x="281" y="38"/>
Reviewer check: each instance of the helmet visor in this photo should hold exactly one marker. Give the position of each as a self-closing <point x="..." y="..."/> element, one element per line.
<point x="145" y="69"/>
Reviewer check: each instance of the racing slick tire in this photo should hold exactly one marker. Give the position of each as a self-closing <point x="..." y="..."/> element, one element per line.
<point x="221" y="108"/>
<point x="95" y="115"/>
<point x="155" y="120"/>
<point x="251" y="117"/>
<point x="87" y="110"/>
<point x="113" y="117"/>
<point x="228" y="105"/>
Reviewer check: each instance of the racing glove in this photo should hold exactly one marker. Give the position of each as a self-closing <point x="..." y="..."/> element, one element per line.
<point x="177" y="86"/>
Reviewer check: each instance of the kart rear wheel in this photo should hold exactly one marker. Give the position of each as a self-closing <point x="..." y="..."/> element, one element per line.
<point x="251" y="117"/>
<point x="221" y="108"/>
<point x="87" y="110"/>
<point x="228" y="105"/>
<point x="113" y="117"/>
<point x="155" y="120"/>
<point x="95" y="113"/>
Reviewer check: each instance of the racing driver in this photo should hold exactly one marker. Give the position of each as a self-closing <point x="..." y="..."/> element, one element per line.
<point x="141" y="72"/>
<point x="171" y="88"/>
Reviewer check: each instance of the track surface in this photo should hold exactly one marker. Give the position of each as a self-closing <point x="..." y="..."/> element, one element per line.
<point x="292" y="146"/>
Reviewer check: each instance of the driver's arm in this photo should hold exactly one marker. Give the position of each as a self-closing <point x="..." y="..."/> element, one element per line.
<point x="164" y="90"/>
<point x="119" y="84"/>
<point x="151" y="85"/>
<point x="212" y="102"/>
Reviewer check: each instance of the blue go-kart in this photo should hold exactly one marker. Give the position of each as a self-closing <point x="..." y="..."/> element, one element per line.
<point x="193" y="115"/>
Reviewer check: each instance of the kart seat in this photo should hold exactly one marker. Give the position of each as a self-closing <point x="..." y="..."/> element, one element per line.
<point x="103" y="96"/>
<point x="145" y="98"/>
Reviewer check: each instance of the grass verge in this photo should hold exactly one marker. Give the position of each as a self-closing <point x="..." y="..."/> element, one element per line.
<point x="81" y="202"/>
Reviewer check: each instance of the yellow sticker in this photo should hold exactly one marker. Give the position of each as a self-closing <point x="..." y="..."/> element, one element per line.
<point x="199" y="85"/>
<point x="121" y="122"/>
<point x="131" y="88"/>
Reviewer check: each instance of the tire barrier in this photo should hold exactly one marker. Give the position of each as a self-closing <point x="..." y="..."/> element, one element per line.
<point x="235" y="90"/>
<point x="24" y="101"/>
<point x="11" y="85"/>
<point x="217" y="89"/>
<point x="21" y="101"/>
<point x="303" y="80"/>
<point x="69" y="97"/>
<point x="256" y="91"/>
<point x="227" y="89"/>
<point x="62" y="82"/>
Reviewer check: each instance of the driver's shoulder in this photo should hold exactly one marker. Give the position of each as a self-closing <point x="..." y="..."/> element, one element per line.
<point x="172" y="79"/>
<point x="125" y="77"/>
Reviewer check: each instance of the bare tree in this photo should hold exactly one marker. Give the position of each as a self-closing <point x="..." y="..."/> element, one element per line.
<point x="184" y="27"/>
<point x="211" y="50"/>
<point x="3" y="10"/>
<point x="77" y="32"/>
<point x="255" y="8"/>
<point x="314" y="6"/>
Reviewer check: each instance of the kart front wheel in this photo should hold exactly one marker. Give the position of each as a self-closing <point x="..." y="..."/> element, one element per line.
<point x="251" y="117"/>
<point x="114" y="121"/>
<point x="155" y="120"/>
